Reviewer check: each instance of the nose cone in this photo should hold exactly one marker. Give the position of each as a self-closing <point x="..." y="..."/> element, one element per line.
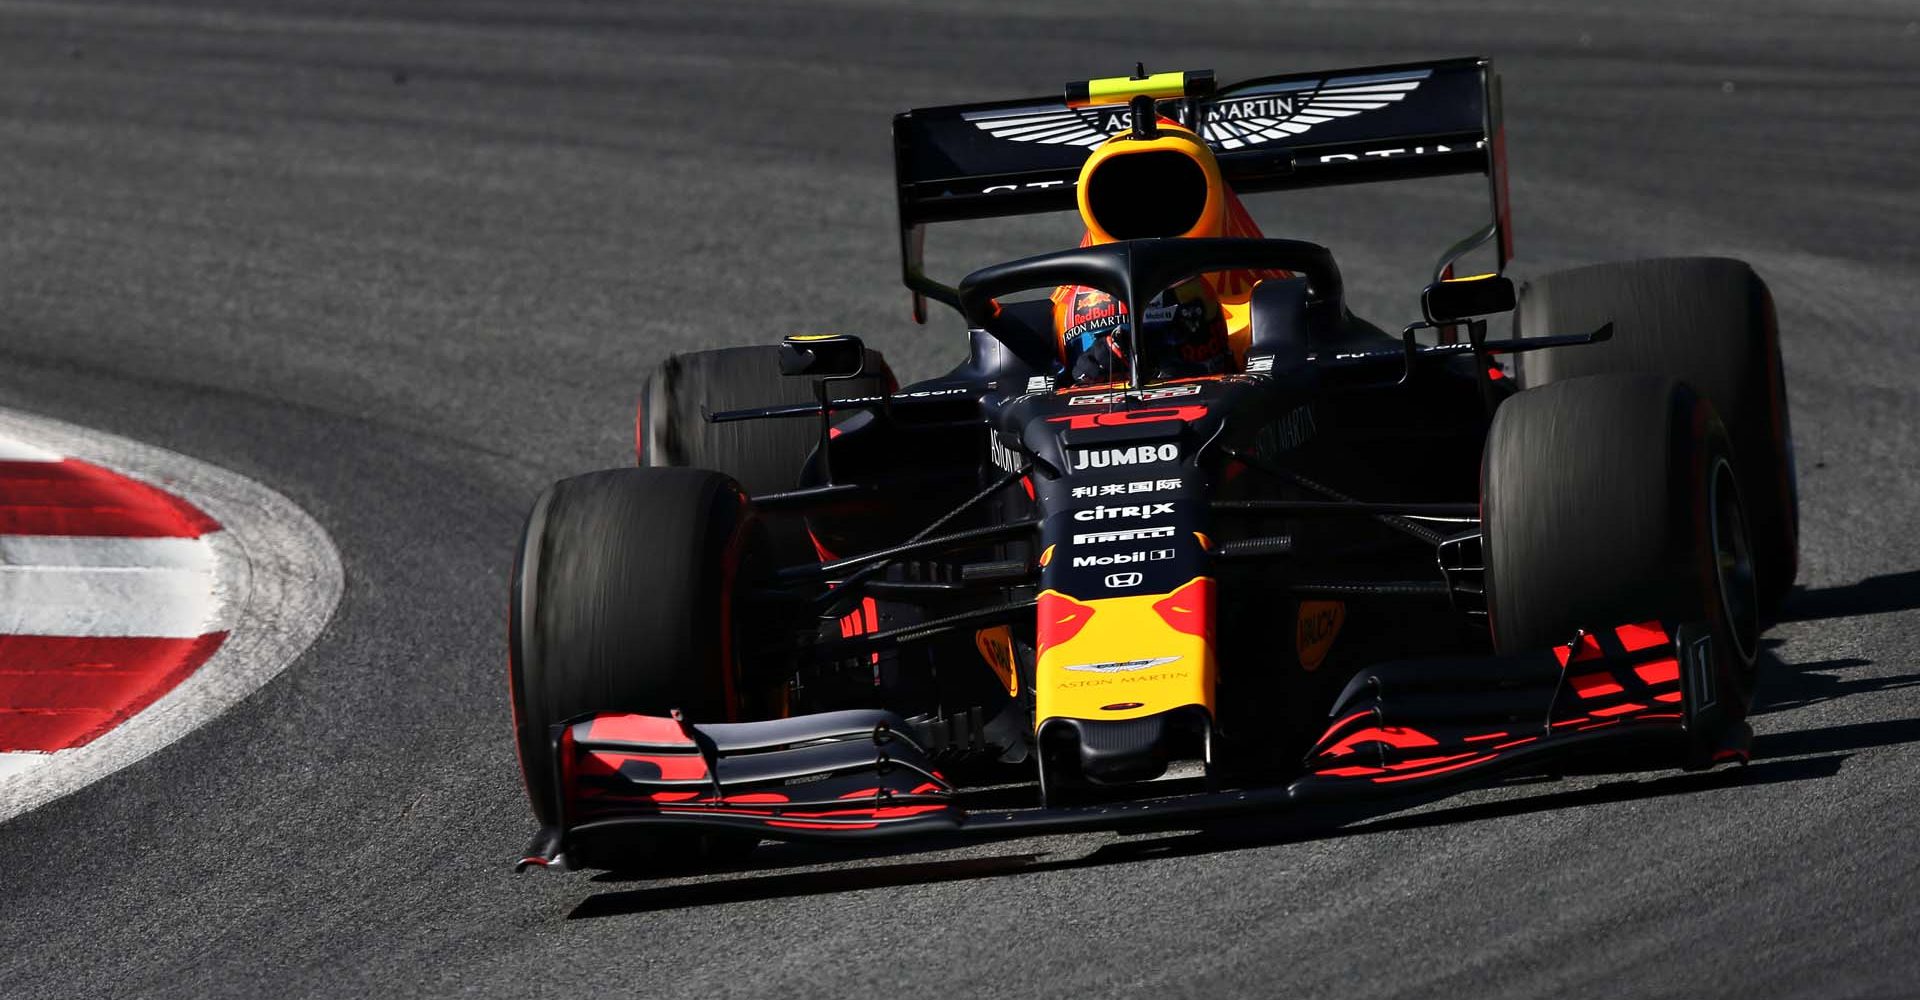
<point x="1167" y="186"/>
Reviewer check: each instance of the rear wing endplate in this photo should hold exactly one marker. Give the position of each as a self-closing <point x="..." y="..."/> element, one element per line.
<point x="1273" y="133"/>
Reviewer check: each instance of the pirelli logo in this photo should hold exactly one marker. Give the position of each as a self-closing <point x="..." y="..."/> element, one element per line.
<point x="1128" y="535"/>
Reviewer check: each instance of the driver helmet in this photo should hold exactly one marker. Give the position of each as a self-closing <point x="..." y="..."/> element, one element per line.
<point x="1184" y="330"/>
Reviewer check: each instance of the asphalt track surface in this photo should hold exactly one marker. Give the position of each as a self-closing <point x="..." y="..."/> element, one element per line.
<point x="404" y="262"/>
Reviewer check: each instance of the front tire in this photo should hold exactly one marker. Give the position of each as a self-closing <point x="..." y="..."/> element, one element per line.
<point x="1613" y="499"/>
<point x="1709" y="322"/>
<point x="622" y="601"/>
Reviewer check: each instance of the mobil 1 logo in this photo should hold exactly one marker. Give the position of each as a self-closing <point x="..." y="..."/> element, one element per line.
<point x="1122" y="558"/>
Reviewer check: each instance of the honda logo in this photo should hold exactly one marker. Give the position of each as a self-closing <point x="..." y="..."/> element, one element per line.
<point x="1123" y="579"/>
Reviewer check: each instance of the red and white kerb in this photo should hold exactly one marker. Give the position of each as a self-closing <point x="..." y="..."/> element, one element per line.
<point x="109" y="598"/>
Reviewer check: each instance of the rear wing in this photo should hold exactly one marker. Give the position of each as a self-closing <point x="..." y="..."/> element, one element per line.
<point x="1273" y="133"/>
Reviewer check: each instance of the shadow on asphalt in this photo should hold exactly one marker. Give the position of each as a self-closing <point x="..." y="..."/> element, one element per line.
<point x="813" y="883"/>
<point x="1871" y="596"/>
<point x="1242" y="835"/>
<point x="1786" y="686"/>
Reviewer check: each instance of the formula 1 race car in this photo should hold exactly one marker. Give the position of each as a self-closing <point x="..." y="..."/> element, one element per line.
<point x="1248" y="552"/>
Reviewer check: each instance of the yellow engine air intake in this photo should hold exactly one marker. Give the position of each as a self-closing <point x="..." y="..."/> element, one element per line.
<point x="1167" y="186"/>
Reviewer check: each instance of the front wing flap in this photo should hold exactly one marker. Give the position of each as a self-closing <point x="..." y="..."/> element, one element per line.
<point x="832" y="773"/>
<point x="1424" y="722"/>
<point x="1398" y="728"/>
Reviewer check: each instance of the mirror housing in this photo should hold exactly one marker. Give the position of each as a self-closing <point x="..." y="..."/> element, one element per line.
<point x="1454" y="299"/>
<point x="823" y="355"/>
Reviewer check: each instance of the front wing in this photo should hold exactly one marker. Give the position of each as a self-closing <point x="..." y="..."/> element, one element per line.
<point x="1416" y="725"/>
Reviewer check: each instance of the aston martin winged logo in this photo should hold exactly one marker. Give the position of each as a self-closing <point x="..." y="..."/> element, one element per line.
<point x="1053" y="124"/>
<point x="1279" y="111"/>
<point x="1241" y="117"/>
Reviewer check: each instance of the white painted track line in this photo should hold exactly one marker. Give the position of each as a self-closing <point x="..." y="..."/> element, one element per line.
<point x="12" y="450"/>
<point x="72" y="551"/>
<point x="12" y="765"/>
<point x="109" y="601"/>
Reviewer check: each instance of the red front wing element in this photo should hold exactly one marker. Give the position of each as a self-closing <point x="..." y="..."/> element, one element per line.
<point x="838" y="772"/>
<point x="1410" y="722"/>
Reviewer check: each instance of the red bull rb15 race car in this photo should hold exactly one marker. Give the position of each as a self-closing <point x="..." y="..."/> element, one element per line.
<point x="1182" y="536"/>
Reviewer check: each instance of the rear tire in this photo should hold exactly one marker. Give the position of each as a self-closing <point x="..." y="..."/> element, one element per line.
<point x="1709" y="322"/>
<point x="1610" y="500"/>
<point x="763" y="456"/>
<point x="622" y="601"/>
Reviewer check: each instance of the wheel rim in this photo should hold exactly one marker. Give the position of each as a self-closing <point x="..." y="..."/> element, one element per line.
<point x="1733" y="560"/>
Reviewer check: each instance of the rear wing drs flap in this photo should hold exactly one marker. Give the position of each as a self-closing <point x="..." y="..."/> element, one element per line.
<point x="1296" y="130"/>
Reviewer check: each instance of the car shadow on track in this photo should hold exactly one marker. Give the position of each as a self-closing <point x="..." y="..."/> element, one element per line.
<point x="809" y="883"/>
<point x="1874" y="595"/>
<point x="1244" y="834"/>
<point x="1785" y="686"/>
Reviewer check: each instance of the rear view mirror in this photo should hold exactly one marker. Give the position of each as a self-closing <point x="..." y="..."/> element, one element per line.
<point x="823" y="355"/>
<point x="1456" y="299"/>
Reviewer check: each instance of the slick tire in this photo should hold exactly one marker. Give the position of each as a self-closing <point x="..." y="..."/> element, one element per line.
<point x="622" y="600"/>
<point x="1709" y="322"/>
<point x="763" y="456"/>
<point x="1614" y="499"/>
